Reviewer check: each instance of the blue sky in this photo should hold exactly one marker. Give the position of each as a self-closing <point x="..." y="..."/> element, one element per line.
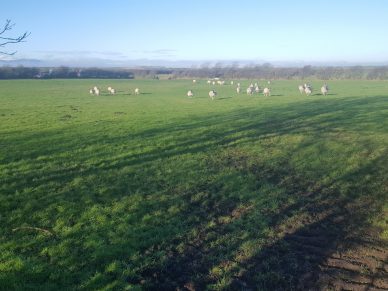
<point x="200" y="30"/>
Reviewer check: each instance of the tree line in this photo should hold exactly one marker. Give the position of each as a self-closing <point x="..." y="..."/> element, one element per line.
<point x="269" y="72"/>
<point x="21" y="72"/>
<point x="265" y="71"/>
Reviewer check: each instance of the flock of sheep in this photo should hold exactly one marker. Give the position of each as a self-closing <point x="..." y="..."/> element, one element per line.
<point x="96" y="91"/>
<point x="308" y="89"/>
<point x="254" y="88"/>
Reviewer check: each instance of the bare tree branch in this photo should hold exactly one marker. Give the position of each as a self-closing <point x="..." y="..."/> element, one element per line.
<point x="6" y="40"/>
<point x="7" y="26"/>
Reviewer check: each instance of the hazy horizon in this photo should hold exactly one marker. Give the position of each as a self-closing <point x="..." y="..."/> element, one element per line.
<point x="106" y="63"/>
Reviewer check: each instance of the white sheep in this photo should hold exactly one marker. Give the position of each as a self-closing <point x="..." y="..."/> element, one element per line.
<point x="190" y="93"/>
<point x="266" y="91"/>
<point x="301" y="89"/>
<point x="209" y="82"/>
<point x="238" y="90"/>
<point x="91" y="91"/>
<point x="308" y="90"/>
<point x="95" y="90"/>
<point x="324" y="89"/>
<point x="249" y="91"/>
<point x="257" y="89"/>
<point x="137" y="91"/>
<point x="194" y="81"/>
<point x="212" y="94"/>
<point x="112" y="91"/>
<point x="231" y="82"/>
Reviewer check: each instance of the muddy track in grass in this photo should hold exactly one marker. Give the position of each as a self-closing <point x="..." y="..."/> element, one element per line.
<point x="357" y="261"/>
<point x="332" y="251"/>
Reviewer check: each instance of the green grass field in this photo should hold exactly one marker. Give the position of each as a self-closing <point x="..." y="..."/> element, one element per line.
<point x="160" y="191"/>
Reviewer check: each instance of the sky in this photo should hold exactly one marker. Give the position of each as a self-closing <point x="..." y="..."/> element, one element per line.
<point x="77" y="31"/>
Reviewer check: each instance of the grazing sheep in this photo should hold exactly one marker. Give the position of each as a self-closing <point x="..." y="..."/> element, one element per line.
<point x="238" y="84"/>
<point x="212" y="94"/>
<point x="194" y="81"/>
<point x="238" y="89"/>
<point x="94" y="91"/>
<point x="137" y="91"/>
<point x="112" y="91"/>
<point x="308" y="90"/>
<point x="190" y="93"/>
<point x="266" y="91"/>
<point x="231" y="82"/>
<point x="301" y="89"/>
<point x="209" y="82"/>
<point x="214" y="82"/>
<point x="109" y="88"/>
<point x="324" y="89"/>
<point x="249" y="91"/>
<point x="257" y="89"/>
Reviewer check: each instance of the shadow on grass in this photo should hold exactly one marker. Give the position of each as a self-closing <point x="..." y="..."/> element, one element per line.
<point x="311" y="235"/>
<point x="228" y="219"/>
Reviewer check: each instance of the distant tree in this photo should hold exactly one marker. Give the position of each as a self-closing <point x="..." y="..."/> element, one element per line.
<point x="267" y="65"/>
<point x="5" y="39"/>
<point x="307" y="71"/>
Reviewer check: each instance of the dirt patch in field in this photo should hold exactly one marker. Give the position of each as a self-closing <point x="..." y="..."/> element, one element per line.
<point x="327" y="254"/>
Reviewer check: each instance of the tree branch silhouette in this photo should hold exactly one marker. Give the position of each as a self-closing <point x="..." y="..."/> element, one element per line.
<point x="6" y="40"/>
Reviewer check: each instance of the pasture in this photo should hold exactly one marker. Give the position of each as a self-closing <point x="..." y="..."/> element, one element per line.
<point x="160" y="191"/>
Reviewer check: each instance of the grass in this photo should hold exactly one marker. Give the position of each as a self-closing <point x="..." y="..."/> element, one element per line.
<point x="160" y="191"/>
